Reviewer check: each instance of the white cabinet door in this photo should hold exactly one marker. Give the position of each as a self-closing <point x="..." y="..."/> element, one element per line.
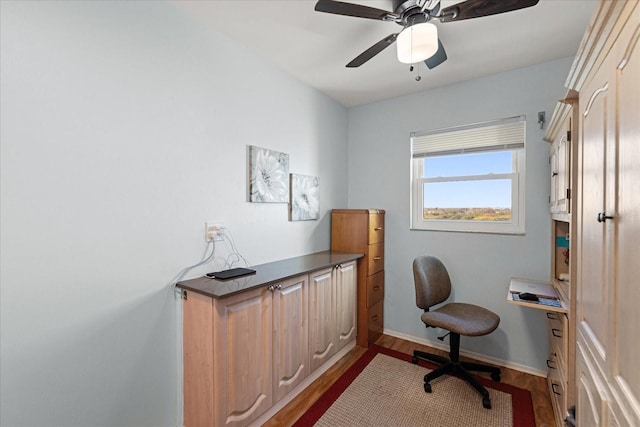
<point x="624" y="269"/>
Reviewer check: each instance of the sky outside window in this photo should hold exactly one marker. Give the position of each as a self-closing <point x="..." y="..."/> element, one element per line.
<point x="494" y="193"/>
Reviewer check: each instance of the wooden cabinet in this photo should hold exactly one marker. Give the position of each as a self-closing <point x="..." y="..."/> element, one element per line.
<point x="290" y="335"/>
<point x="346" y="292"/>
<point x="322" y="309"/>
<point x="563" y="134"/>
<point x="559" y="365"/>
<point x="608" y="222"/>
<point x="332" y="311"/>
<point x="243" y="355"/>
<point x="362" y="231"/>
<point x="246" y="353"/>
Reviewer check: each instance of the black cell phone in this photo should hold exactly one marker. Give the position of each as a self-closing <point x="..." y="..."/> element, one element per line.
<point x="231" y="273"/>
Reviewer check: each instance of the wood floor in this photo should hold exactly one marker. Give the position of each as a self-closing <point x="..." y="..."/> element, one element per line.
<point x="290" y="413"/>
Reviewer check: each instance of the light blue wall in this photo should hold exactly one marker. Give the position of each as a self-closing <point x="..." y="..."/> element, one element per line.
<point x="480" y="265"/>
<point x="124" y="129"/>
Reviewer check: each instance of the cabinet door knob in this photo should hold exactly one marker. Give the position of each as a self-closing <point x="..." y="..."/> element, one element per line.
<point x="554" y="174"/>
<point x="602" y="217"/>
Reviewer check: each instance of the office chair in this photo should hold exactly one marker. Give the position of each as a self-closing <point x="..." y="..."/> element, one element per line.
<point x="433" y="286"/>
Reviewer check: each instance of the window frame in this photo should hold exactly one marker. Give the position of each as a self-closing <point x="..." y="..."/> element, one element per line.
<point x="515" y="226"/>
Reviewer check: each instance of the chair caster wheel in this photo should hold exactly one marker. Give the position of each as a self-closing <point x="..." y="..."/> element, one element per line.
<point x="427" y="388"/>
<point x="486" y="402"/>
<point x="496" y="377"/>
<point x="414" y="360"/>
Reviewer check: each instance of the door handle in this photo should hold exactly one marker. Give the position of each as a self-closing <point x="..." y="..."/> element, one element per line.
<point x="602" y="217"/>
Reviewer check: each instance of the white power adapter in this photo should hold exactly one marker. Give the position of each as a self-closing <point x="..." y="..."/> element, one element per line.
<point x="213" y="231"/>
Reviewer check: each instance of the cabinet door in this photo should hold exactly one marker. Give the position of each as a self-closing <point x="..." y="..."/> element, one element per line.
<point x="322" y="316"/>
<point x="624" y="345"/>
<point x="589" y="402"/>
<point x="242" y="357"/>
<point x="563" y="169"/>
<point x="290" y="329"/>
<point x="596" y="139"/>
<point x="560" y="164"/>
<point x="553" y="165"/>
<point x="345" y="283"/>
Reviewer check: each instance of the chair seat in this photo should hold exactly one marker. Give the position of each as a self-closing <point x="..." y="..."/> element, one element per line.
<point x="463" y="319"/>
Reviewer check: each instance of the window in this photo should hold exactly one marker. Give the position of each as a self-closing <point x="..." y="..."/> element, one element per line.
<point x="469" y="178"/>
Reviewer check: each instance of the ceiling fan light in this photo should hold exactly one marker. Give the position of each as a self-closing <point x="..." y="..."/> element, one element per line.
<point x="417" y="43"/>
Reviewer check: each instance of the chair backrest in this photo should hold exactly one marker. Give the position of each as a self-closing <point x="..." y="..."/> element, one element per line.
<point x="431" y="280"/>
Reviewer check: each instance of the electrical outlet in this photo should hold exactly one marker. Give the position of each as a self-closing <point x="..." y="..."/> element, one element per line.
<point x="213" y="231"/>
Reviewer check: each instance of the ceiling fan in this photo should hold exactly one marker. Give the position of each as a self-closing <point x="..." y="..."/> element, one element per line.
<point x="418" y="40"/>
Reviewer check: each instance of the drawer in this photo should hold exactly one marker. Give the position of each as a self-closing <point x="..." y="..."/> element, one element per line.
<point x="558" y="330"/>
<point x="375" y="258"/>
<point x="376" y="320"/>
<point x="558" y="398"/>
<point x="375" y="288"/>
<point x="376" y="228"/>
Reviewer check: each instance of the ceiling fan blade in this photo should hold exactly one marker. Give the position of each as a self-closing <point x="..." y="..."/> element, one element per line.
<point x="438" y="58"/>
<point x="373" y="51"/>
<point x="477" y="8"/>
<point x="350" y="9"/>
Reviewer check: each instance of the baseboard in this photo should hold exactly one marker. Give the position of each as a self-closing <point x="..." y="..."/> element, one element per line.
<point x="477" y="356"/>
<point x="304" y="384"/>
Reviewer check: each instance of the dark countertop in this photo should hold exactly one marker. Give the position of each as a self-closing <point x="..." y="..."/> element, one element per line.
<point x="267" y="274"/>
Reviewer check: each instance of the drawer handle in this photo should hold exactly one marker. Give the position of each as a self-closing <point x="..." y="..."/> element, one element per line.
<point x="377" y="258"/>
<point x="552" y="316"/>
<point x="378" y="228"/>
<point x="557" y="335"/>
<point x="553" y="388"/>
<point x="549" y="364"/>
<point x="375" y="318"/>
<point x="375" y="288"/>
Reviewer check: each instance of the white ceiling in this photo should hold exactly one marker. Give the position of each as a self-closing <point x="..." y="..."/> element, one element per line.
<point x="314" y="47"/>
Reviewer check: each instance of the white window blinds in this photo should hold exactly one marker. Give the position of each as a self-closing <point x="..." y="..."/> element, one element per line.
<point x="504" y="134"/>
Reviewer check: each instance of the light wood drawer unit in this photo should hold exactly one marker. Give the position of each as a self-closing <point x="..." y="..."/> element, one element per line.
<point x="362" y="231"/>
<point x="558" y="358"/>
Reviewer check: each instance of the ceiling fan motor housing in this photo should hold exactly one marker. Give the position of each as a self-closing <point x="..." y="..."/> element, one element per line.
<point x="410" y="13"/>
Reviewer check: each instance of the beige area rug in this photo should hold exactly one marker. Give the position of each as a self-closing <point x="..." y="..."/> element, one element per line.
<point x="388" y="391"/>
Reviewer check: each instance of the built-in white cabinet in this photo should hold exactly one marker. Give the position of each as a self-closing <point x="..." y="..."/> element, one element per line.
<point x="608" y="221"/>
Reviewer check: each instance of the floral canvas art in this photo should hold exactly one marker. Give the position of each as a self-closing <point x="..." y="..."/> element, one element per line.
<point x="305" y="198"/>
<point x="268" y="176"/>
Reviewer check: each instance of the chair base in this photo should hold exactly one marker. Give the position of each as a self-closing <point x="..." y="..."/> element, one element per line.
<point x="453" y="365"/>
